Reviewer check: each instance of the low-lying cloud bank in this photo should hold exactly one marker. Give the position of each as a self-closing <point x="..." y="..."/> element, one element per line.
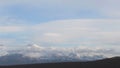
<point x="71" y="53"/>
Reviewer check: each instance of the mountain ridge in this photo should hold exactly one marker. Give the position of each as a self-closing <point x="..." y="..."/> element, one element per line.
<point x="113" y="62"/>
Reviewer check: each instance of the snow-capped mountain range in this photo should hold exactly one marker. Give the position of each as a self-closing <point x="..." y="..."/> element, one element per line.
<point x="37" y="54"/>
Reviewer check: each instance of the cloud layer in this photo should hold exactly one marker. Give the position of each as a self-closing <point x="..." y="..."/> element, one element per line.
<point x="60" y="23"/>
<point x="33" y="53"/>
<point x="37" y="51"/>
<point x="91" y="32"/>
<point x="81" y="53"/>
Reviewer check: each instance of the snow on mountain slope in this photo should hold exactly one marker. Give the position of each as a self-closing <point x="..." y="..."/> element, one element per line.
<point x="38" y="54"/>
<point x="3" y="50"/>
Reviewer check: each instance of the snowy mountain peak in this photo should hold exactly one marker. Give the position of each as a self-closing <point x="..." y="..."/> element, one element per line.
<point x="35" y="47"/>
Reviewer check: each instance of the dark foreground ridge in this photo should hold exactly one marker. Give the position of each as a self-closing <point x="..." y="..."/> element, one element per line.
<point x="105" y="63"/>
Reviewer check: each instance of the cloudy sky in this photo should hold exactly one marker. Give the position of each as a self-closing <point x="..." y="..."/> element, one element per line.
<point x="60" y="22"/>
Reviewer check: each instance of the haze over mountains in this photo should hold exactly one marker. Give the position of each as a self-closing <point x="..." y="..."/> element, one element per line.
<point x="38" y="54"/>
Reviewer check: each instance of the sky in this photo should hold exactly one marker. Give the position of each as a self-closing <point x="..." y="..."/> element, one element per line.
<point x="59" y="23"/>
